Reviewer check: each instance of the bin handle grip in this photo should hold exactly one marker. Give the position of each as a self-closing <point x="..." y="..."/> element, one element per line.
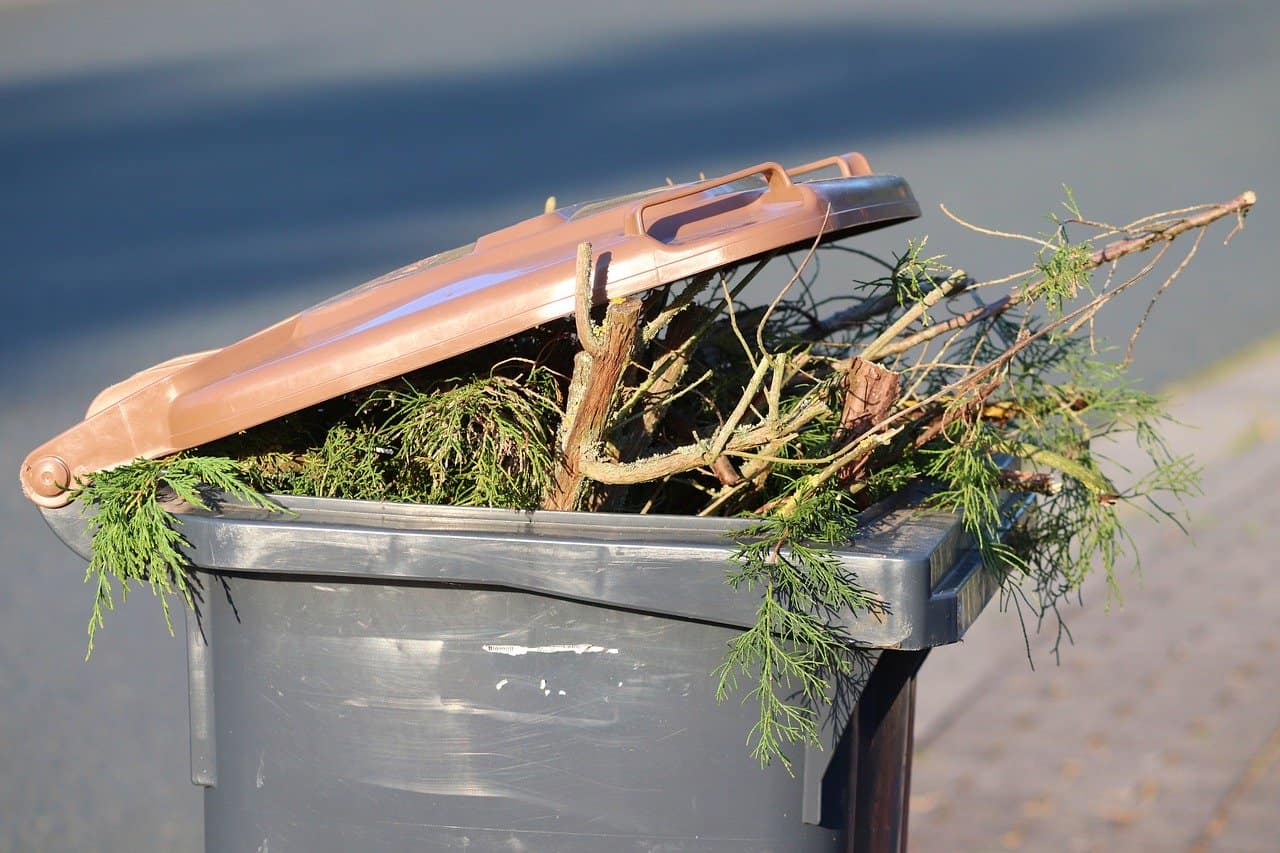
<point x="780" y="189"/>
<point x="851" y="165"/>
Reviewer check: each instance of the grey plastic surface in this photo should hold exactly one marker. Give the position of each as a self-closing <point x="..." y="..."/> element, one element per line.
<point x="666" y="565"/>
<point x="395" y="677"/>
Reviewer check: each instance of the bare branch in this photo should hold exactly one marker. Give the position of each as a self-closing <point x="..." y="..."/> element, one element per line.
<point x="589" y="336"/>
<point x="1133" y="339"/>
<point x="952" y="284"/>
<point x="991" y="232"/>
<point x="1239" y="206"/>
<point x="786" y="288"/>
<point x="597" y="373"/>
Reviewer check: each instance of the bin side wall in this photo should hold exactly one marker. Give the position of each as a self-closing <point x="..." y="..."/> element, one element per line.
<point x="380" y="716"/>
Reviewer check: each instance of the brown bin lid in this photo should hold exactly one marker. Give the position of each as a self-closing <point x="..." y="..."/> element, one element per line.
<point x="505" y="283"/>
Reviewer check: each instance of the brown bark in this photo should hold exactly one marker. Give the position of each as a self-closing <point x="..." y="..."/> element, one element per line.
<point x="870" y="393"/>
<point x="592" y="391"/>
<point x="934" y="421"/>
<point x="726" y="472"/>
<point x="1240" y="205"/>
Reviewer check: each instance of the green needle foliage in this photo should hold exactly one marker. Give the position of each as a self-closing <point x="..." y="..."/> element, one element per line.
<point x="912" y="275"/>
<point x="478" y="443"/>
<point x="463" y="441"/>
<point x="1066" y="427"/>
<point x="792" y="655"/>
<point x="1061" y="273"/>
<point x="135" y="539"/>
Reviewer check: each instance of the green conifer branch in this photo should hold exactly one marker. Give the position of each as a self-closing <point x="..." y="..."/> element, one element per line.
<point x="135" y="539"/>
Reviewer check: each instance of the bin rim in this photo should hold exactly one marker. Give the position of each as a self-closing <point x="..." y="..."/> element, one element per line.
<point x="919" y="561"/>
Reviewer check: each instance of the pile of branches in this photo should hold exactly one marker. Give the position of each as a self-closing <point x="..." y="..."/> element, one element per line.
<point x="796" y="411"/>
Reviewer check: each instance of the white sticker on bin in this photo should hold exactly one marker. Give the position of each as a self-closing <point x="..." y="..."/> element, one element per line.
<point x="579" y="649"/>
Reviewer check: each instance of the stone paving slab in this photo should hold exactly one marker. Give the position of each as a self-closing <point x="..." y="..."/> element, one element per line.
<point x="1160" y="729"/>
<point x="1246" y="818"/>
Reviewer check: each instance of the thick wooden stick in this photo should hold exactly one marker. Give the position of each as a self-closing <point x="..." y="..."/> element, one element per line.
<point x="870" y="393"/>
<point x="597" y="373"/>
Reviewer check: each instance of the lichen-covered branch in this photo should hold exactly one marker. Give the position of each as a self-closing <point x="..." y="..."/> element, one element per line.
<point x="594" y="385"/>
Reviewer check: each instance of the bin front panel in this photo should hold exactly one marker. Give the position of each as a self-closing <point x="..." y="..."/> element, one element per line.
<point x="363" y="716"/>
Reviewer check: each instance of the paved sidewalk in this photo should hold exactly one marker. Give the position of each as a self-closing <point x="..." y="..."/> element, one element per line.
<point x="1160" y="730"/>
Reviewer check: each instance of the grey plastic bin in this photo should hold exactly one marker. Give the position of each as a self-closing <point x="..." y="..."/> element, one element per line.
<point x="395" y="677"/>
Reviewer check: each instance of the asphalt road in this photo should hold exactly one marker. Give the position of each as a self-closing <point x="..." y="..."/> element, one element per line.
<point x="174" y="175"/>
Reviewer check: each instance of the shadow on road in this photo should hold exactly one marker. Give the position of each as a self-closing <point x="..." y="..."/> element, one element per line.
<point x="133" y="194"/>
